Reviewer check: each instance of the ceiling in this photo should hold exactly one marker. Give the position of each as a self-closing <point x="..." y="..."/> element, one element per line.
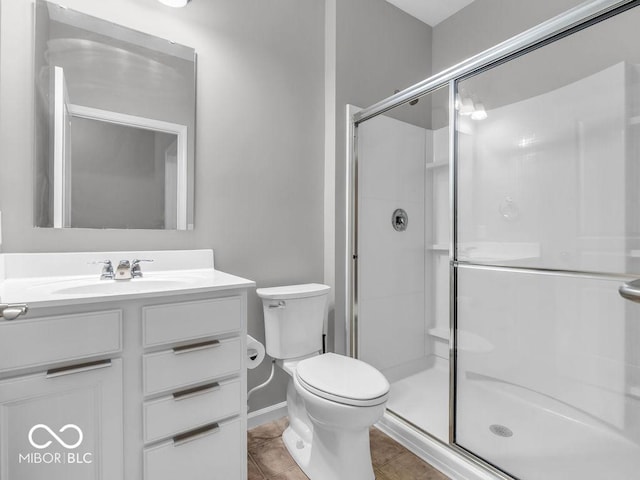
<point x="431" y="12"/>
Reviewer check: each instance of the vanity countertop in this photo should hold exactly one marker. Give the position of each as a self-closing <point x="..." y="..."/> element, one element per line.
<point x="28" y="278"/>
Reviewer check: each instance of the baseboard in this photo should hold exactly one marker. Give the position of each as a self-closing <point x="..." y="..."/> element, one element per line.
<point x="266" y="415"/>
<point x="432" y="451"/>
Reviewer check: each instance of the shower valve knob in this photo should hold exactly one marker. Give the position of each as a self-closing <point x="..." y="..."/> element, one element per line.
<point x="400" y="220"/>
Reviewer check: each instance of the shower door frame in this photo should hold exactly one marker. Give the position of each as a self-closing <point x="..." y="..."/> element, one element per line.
<point x="573" y="20"/>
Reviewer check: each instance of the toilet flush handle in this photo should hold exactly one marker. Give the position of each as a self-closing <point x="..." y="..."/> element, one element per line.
<point x="280" y="304"/>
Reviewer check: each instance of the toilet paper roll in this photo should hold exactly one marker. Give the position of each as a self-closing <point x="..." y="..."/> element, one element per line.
<point x="255" y="352"/>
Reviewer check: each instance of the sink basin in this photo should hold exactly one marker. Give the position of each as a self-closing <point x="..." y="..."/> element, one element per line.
<point x="138" y="285"/>
<point x="83" y="286"/>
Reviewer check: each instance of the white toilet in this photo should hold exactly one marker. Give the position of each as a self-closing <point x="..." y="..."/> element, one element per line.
<point x="332" y="400"/>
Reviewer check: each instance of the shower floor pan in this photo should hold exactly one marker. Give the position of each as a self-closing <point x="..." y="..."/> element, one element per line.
<point x="528" y="435"/>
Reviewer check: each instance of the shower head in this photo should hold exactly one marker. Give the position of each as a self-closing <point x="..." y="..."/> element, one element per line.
<point x="412" y="102"/>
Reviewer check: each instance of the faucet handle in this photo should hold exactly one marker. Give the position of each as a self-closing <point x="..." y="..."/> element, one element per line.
<point x="96" y="262"/>
<point x="137" y="261"/>
<point x="136" y="271"/>
<point x="107" y="269"/>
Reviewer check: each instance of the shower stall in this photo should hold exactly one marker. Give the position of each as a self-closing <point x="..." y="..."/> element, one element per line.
<point x="493" y="250"/>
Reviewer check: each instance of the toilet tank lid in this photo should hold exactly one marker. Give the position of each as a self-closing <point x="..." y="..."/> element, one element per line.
<point x="343" y="377"/>
<point x="293" y="291"/>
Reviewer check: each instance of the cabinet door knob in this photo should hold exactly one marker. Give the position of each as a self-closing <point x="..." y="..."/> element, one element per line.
<point x="12" y="311"/>
<point x="630" y="291"/>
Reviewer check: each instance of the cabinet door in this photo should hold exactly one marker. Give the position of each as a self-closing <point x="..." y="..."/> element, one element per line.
<point x="63" y="425"/>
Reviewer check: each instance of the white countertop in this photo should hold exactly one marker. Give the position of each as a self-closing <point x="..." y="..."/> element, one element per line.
<point x="35" y="279"/>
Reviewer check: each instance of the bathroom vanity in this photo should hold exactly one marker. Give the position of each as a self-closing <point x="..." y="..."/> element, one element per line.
<point x="133" y="379"/>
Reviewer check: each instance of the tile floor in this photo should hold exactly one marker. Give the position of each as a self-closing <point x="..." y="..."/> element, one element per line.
<point x="268" y="458"/>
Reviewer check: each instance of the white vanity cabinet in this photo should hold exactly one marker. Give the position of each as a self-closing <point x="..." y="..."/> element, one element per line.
<point x="194" y="424"/>
<point x="155" y="383"/>
<point x="60" y="408"/>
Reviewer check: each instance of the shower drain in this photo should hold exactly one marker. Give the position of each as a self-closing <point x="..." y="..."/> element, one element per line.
<point x="500" y="430"/>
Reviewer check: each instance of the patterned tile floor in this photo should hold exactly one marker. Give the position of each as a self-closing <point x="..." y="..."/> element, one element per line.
<point x="269" y="460"/>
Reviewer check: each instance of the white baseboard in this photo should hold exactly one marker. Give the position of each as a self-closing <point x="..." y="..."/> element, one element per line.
<point x="266" y="415"/>
<point x="431" y="451"/>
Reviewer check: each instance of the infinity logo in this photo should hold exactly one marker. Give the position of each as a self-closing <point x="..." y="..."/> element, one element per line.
<point x="53" y="434"/>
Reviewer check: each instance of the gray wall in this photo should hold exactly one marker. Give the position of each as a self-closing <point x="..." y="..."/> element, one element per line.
<point x="379" y="49"/>
<point x="259" y="147"/>
<point x="484" y="23"/>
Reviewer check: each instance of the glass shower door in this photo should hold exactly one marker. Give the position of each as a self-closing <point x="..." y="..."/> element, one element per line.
<point x="548" y="228"/>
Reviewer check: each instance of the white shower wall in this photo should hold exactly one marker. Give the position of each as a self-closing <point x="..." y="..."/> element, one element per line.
<point x="391" y="281"/>
<point x="403" y="286"/>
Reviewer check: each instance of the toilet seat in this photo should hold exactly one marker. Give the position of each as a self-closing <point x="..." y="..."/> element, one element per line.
<point x="343" y="380"/>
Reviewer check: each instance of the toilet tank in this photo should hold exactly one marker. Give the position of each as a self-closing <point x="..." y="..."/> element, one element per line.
<point x="294" y="318"/>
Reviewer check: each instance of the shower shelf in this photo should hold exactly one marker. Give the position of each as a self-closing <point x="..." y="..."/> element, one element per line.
<point x="438" y="247"/>
<point x="634" y="120"/>
<point x="432" y="165"/>
<point x="467" y="341"/>
<point x="441" y="333"/>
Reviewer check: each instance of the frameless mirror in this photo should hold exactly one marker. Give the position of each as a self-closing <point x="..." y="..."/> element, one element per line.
<point x="114" y="125"/>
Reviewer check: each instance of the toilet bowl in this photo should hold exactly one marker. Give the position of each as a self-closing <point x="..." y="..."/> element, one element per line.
<point x="343" y="397"/>
<point x="332" y="400"/>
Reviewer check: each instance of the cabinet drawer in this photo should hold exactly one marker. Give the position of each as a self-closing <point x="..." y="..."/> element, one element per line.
<point x="190" y="320"/>
<point x="190" y="409"/>
<point x="32" y="342"/>
<point x="215" y="454"/>
<point x="184" y="366"/>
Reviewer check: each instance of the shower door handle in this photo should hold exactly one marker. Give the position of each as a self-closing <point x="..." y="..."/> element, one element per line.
<point x="631" y="290"/>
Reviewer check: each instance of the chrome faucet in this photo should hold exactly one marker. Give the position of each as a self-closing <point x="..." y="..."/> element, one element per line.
<point x="136" y="271"/>
<point x="123" y="271"/>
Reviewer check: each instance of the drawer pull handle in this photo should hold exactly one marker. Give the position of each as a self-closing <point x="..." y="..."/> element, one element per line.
<point x="194" y="347"/>
<point x="195" y="391"/>
<point x="78" y="368"/>
<point x="196" y="434"/>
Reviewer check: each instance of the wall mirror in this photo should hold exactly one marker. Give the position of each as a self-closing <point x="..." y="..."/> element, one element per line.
<point x="114" y="125"/>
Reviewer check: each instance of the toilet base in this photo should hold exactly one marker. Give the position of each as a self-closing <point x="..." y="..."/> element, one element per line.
<point x="322" y="459"/>
<point x="299" y="449"/>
